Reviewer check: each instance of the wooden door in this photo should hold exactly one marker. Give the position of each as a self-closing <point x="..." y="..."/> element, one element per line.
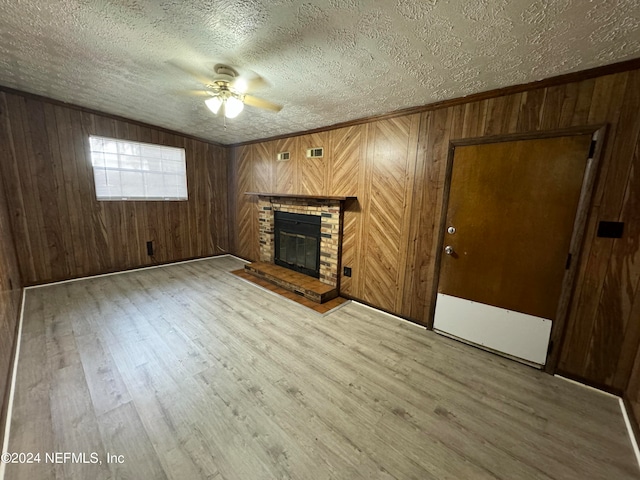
<point x="509" y="221"/>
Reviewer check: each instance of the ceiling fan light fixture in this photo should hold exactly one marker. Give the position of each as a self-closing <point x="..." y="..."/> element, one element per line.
<point x="226" y="92"/>
<point x="214" y="104"/>
<point x="232" y="107"/>
<point x="240" y="85"/>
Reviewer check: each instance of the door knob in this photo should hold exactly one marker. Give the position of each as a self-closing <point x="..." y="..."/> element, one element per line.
<point x="448" y="250"/>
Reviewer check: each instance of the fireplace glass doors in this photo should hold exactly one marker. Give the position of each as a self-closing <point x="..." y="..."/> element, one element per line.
<point x="297" y="242"/>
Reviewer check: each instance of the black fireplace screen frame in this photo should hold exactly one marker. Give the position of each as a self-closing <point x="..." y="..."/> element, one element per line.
<point x="295" y="224"/>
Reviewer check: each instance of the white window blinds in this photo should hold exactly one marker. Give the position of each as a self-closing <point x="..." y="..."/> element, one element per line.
<point x="126" y="170"/>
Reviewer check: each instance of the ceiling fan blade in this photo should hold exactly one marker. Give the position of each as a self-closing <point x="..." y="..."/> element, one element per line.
<point x="244" y="85"/>
<point x="194" y="93"/>
<point x="260" y="103"/>
<point x="190" y="71"/>
<point x="256" y="83"/>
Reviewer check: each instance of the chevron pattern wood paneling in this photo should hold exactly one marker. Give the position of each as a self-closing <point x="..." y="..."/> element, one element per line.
<point x="393" y="161"/>
<point x="246" y="210"/>
<point x="286" y="173"/>
<point x="350" y="246"/>
<point x="263" y="172"/>
<point x="344" y="165"/>
<point x="314" y="170"/>
<point x="391" y="231"/>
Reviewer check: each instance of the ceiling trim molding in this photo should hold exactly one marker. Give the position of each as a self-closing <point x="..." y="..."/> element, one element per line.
<point x="60" y="103"/>
<point x="613" y="68"/>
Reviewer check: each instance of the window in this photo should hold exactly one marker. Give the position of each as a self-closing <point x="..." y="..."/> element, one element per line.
<point x="126" y="170"/>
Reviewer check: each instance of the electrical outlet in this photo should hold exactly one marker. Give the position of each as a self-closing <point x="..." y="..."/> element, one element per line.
<point x="610" y="229"/>
<point x="347" y="271"/>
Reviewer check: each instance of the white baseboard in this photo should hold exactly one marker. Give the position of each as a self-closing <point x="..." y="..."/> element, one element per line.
<point x="593" y="389"/>
<point x="632" y="436"/>
<point x="395" y="317"/>
<point x="237" y="258"/>
<point x="149" y="267"/>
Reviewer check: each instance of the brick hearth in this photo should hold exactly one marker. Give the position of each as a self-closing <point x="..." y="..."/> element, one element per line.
<point x="330" y="232"/>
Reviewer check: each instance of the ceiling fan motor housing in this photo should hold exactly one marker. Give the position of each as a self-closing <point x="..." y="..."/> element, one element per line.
<point x="228" y="86"/>
<point x="225" y="70"/>
<point x="224" y="75"/>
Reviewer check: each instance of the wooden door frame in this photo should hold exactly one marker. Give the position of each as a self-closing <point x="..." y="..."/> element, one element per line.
<point x="558" y="326"/>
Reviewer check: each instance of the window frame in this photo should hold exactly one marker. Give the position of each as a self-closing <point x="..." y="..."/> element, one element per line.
<point x="179" y="163"/>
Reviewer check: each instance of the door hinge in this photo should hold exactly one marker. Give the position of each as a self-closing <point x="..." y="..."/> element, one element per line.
<point x="568" y="263"/>
<point x="550" y="348"/>
<point x="592" y="148"/>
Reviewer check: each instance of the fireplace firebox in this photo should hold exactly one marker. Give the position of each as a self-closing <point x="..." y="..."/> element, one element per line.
<point x="297" y="242"/>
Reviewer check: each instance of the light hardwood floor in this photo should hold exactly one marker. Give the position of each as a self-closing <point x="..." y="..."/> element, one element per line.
<point x="190" y="372"/>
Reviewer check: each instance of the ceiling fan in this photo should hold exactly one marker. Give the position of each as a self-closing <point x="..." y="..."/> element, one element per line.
<point x="227" y="91"/>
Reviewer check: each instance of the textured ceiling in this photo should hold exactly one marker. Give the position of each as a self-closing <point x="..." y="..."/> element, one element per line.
<point x="326" y="61"/>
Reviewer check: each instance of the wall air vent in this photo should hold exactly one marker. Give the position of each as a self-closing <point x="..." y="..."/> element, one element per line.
<point x="283" y="156"/>
<point x="317" y="152"/>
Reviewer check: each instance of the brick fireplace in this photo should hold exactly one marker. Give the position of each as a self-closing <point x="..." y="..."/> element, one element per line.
<point x="330" y="212"/>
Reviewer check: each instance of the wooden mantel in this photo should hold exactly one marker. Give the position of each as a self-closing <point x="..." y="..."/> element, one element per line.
<point x="299" y="195"/>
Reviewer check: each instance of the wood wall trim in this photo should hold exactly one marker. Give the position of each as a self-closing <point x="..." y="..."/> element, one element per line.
<point x="298" y="195"/>
<point x="544" y="83"/>
<point x="113" y="116"/>
<point x="611" y="69"/>
<point x="536" y="135"/>
<point x="559" y="326"/>
<point x="441" y="229"/>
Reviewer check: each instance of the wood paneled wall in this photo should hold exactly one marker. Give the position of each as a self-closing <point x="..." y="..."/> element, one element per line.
<point x="396" y="168"/>
<point x="10" y="296"/>
<point x="63" y="232"/>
